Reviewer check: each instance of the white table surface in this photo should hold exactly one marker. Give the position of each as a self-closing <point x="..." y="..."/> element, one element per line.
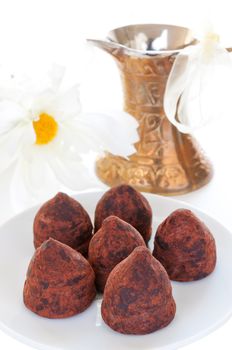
<point x="66" y="22"/>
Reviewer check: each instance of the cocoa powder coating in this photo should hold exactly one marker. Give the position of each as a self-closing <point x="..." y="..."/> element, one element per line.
<point x="129" y="205"/>
<point x="64" y="219"/>
<point x="185" y="247"/>
<point x="113" y="242"/>
<point x="59" y="282"/>
<point x="138" y="295"/>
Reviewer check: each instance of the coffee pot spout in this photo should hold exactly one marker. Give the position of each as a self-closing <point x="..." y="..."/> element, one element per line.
<point x="112" y="48"/>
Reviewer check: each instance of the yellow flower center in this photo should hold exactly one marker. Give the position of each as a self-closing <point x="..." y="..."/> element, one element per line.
<point x="45" y="129"/>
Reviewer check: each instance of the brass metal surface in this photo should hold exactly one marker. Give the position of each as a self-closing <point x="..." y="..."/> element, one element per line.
<point x="166" y="161"/>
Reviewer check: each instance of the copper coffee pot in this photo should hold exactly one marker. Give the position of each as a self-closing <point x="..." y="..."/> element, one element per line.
<point x="166" y="161"/>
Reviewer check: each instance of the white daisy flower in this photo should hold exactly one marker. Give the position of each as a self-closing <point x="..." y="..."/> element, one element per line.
<point x="48" y="140"/>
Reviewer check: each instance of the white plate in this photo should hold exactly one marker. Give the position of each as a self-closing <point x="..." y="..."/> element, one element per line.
<point x="202" y="306"/>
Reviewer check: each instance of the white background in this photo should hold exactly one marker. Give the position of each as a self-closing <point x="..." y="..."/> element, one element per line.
<point x="35" y="33"/>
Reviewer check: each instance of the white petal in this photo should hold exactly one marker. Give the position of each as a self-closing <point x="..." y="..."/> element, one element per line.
<point x="76" y="139"/>
<point x="58" y="161"/>
<point x="66" y="105"/>
<point x="28" y="190"/>
<point x="21" y="198"/>
<point x="117" y="132"/>
<point x="62" y="107"/>
<point x="99" y="133"/>
<point x="199" y="84"/>
<point x="10" y="147"/>
<point x="16" y="87"/>
<point x="56" y="75"/>
<point x="33" y="182"/>
<point x="42" y="103"/>
<point x="11" y="114"/>
<point x="42" y="171"/>
<point x="72" y="157"/>
<point x="73" y="174"/>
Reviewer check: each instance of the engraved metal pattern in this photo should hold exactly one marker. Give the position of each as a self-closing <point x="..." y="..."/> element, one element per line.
<point x="166" y="161"/>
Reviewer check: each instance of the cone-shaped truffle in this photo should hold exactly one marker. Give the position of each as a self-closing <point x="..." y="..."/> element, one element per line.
<point x="115" y="240"/>
<point x="185" y="247"/>
<point x="138" y="295"/>
<point x="129" y="205"/>
<point x="60" y="281"/>
<point x="64" y="219"/>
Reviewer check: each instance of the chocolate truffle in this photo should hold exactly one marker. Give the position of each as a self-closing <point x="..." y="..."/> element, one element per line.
<point x="138" y="295"/>
<point x="64" y="219"/>
<point x="185" y="247"/>
<point x="129" y="205"/>
<point x="113" y="242"/>
<point x="60" y="281"/>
